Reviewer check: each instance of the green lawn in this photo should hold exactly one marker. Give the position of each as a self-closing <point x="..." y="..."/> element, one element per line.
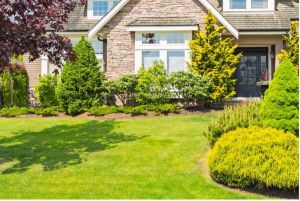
<point x="154" y="158"/>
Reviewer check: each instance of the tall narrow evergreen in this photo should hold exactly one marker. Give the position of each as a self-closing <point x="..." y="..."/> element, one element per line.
<point x="214" y="57"/>
<point x="292" y="42"/>
<point x="81" y="80"/>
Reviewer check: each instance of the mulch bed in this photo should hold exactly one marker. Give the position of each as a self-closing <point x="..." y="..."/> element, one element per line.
<point x="119" y="115"/>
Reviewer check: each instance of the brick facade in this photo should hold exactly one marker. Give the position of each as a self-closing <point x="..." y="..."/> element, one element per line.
<point x="121" y="43"/>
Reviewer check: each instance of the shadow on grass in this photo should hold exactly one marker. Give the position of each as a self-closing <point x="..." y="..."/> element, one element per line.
<point x="59" y="146"/>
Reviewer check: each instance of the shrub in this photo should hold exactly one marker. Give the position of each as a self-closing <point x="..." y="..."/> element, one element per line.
<point x="46" y="90"/>
<point x="50" y="111"/>
<point x="191" y="88"/>
<point x="256" y="157"/>
<point x="103" y="110"/>
<point x="123" y="88"/>
<point x="135" y="111"/>
<point x="166" y="109"/>
<point x="153" y="86"/>
<point x="280" y="106"/>
<point x="13" y="111"/>
<point x="213" y="57"/>
<point x="14" y="86"/>
<point x="81" y="80"/>
<point x="292" y="41"/>
<point x="243" y="115"/>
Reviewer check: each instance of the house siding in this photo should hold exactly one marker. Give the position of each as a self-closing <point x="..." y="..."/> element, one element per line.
<point x="33" y="69"/>
<point x="121" y="43"/>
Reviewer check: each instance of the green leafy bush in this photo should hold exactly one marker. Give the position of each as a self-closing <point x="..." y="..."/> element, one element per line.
<point x="233" y="117"/>
<point x="153" y="85"/>
<point x="103" y="110"/>
<point x="49" y="111"/>
<point x="14" y="87"/>
<point x="123" y="88"/>
<point x="256" y="157"/>
<point x="135" y="111"/>
<point x="13" y="111"/>
<point x="167" y="108"/>
<point x="46" y="90"/>
<point x="191" y="88"/>
<point x="280" y="108"/>
<point x="81" y="80"/>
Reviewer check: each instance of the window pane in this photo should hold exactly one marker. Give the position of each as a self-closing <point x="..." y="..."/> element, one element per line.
<point x="176" y="61"/>
<point x="175" y="38"/>
<point x="259" y="3"/>
<point x="237" y="4"/>
<point x="100" y="8"/>
<point x="149" y="57"/>
<point x="98" y="47"/>
<point x="115" y="2"/>
<point x="150" y="38"/>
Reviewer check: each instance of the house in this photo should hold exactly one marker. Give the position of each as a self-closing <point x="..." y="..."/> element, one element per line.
<point x="127" y="33"/>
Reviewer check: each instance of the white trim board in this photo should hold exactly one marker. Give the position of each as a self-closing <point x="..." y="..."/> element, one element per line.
<point x="105" y="19"/>
<point x="162" y="28"/>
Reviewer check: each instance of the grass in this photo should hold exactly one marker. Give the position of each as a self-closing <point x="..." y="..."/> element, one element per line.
<point x="154" y="158"/>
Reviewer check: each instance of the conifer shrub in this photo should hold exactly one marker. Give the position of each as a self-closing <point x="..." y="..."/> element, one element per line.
<point x="81" y="80"/>
<point x="280" y="106"/>
<point x="13" y="111"/>
<point x="256" y="157"/>
<point x="232" y="117"/>
<point x="214" y="58"/>
<point x="123" y="88"/>
<point x="192" y="89"/>
<point x="14" y="86"/>
<point x="153" y="86"/>
<point x="46" y="90"/>
<point x="292" y="41"/>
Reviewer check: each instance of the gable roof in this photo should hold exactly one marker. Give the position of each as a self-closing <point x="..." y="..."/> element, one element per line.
<point x="279" y="20"/>
<point x="106" y="18"/>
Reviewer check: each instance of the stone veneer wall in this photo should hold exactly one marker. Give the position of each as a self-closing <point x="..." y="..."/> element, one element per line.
<point x="121" y="43"/>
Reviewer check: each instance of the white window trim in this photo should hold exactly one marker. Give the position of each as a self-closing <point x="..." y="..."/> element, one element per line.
<point x="163" y="47"/>
<point x="90" y="10"/>
<point x="271" y="7"/>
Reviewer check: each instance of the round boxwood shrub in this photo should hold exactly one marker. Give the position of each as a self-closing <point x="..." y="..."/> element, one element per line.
<point x="256" y="157"/>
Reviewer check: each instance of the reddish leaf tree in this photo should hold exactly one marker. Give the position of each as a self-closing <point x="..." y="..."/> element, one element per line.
<point x="23" y="26"/>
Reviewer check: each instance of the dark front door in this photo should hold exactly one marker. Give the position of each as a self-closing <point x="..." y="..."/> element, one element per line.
<point x="253" y="67"/>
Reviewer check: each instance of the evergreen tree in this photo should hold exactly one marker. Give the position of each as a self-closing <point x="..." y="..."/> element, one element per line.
<point x="214" y="58"/>
<point x="280" y="107"/>
<point x="292" y="51"/>
<point x="81" y="80"/>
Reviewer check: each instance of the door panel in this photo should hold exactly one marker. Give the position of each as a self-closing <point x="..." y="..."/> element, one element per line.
<point x="250" y="70"/>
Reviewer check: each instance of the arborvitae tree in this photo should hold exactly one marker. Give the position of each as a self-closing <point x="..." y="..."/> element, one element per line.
<point x="214" y="57"/>
<point x="81" y="80"/>
<point x="280" y="107"/>
<point x="292" y="42"/>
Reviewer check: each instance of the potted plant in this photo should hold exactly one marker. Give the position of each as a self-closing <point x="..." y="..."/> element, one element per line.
<point x="264" y="82"/>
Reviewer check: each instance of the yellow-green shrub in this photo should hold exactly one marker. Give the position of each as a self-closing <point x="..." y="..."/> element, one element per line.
<point x="243" y="115"/>
<point x="256" y="157"/>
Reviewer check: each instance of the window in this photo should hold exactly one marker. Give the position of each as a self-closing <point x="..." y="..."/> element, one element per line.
<point x="115" y="2"/>
<point x="175" y="38"/>
<point x="258" y="4"/>
<point x="150" y="38"/>
<point x="97" y="45"/>
<point x="100" y="7"/>
<point x="176" y="61"/>
<point x="237" y="4"/>
<point x="148" y="57"/>
<point x="248" y="5"/>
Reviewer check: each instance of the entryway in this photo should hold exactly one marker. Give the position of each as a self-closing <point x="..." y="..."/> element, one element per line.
<point x="252" y="68"/>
